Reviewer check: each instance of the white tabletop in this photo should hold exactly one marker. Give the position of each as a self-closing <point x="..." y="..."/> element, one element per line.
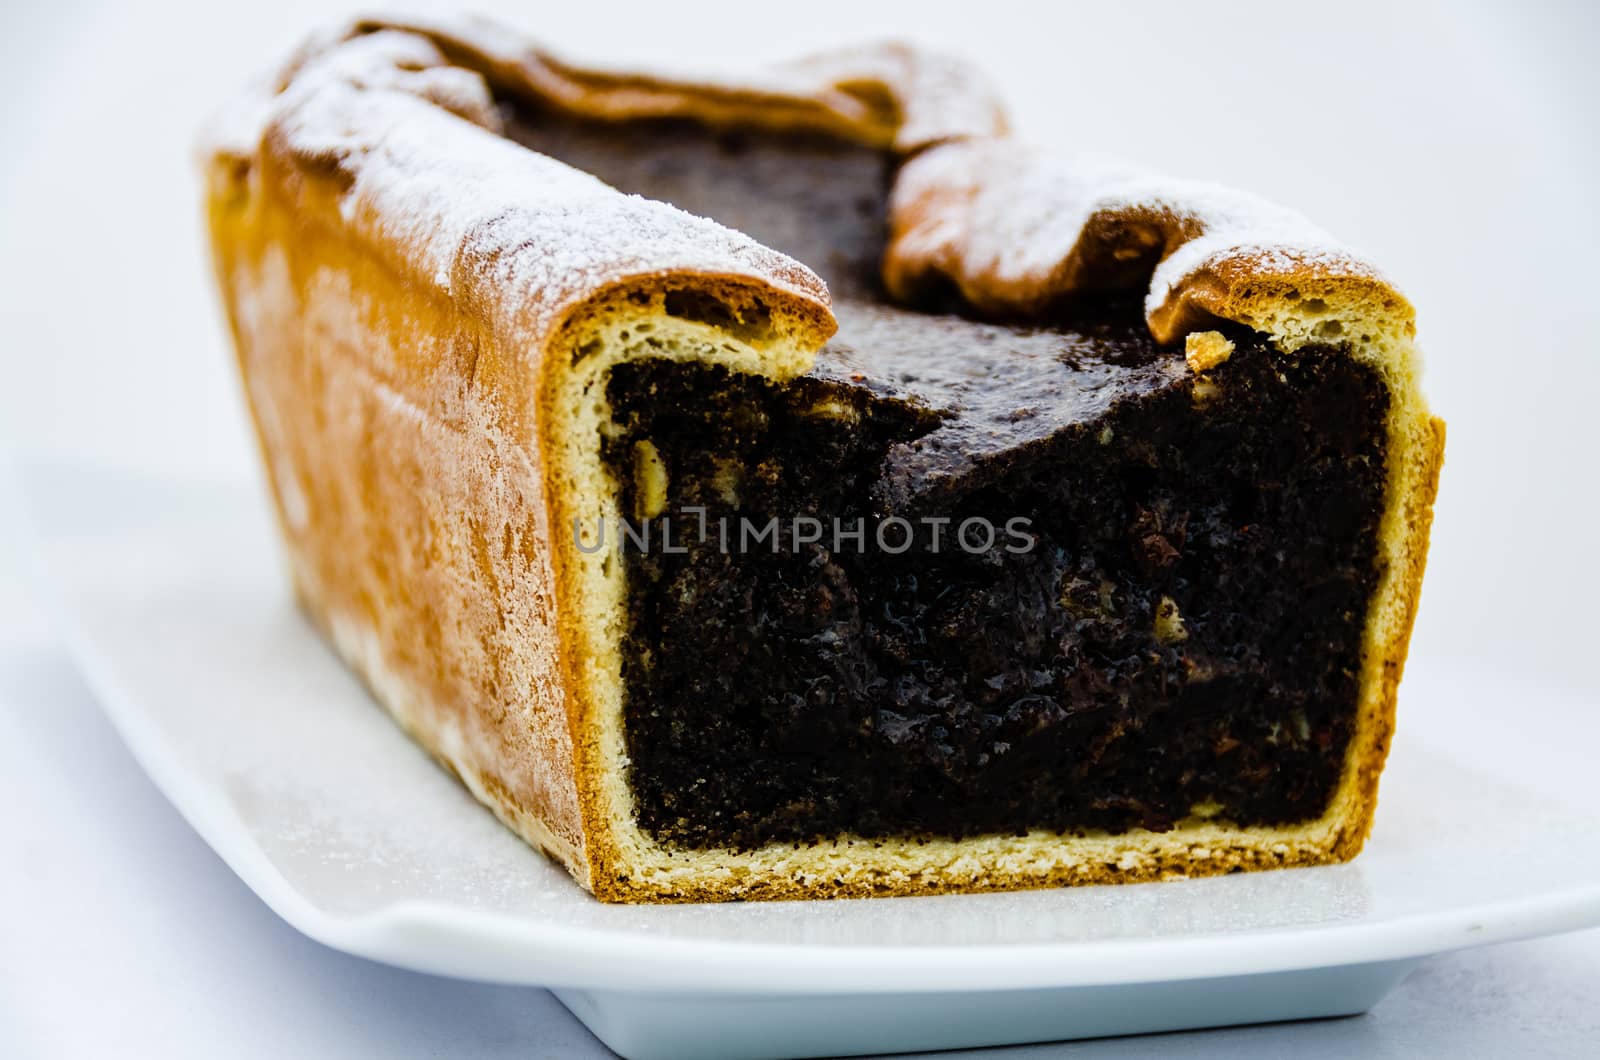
<point x="1453" y="142"/>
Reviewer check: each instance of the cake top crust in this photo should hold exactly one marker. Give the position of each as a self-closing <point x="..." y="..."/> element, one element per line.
<point x="382" y="108"/>
<point x="382" y="135"/>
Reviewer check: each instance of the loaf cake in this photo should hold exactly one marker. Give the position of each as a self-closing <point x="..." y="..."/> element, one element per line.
<point x="793" y="485"/>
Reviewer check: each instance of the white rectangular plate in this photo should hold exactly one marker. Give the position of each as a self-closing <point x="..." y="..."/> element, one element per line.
<point x="180" y="615"/>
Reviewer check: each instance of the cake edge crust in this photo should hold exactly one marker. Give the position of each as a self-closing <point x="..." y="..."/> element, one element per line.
<point x="1246" y="276"/>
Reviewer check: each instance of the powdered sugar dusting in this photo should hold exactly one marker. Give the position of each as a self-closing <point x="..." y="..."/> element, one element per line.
<point x="937" y="97"/>
<point x="458" y="203"/>
<point x="1016" y="226"/>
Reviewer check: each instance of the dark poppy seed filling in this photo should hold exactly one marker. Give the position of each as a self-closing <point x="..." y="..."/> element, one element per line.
<point x="1167" y="622"/>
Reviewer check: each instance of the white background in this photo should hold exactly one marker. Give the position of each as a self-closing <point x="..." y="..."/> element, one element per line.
<point x="1454" y="143"/>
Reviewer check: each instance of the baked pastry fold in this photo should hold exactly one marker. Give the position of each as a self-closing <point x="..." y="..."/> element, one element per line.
<point x="464" y="356"/>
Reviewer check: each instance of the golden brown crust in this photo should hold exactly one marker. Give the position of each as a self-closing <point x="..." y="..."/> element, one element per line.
<point x="1375" y="729"/>
<point x="1017" y="231"/>
<point x="416" y="301"/>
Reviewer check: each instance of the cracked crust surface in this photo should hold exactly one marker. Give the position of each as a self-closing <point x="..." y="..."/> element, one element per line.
<point x="423" y="312"/>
